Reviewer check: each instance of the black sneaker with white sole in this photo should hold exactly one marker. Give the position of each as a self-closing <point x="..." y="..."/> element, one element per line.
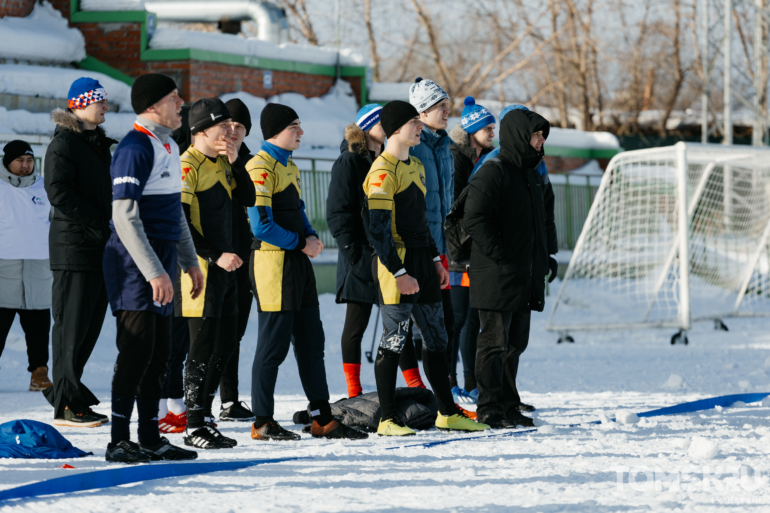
<point x="163" y="450"/>
<point x="125" y="451"/>
<point x="518" y="420"/>
<point x="102" y="417"/>
<point x="237" y="412"/>
<point x="72" y="419"/>
<point x="207" y="437"/>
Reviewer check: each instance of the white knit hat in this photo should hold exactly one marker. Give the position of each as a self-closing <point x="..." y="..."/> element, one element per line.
<point x="424" y="94"/>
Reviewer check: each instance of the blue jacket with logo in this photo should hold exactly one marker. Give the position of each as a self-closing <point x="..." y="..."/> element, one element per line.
<point x="433" y="151"/>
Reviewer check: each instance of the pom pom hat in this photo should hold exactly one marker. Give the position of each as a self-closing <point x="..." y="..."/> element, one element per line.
<point x="424" y="94"/>
<point x="85" y="91"/>
<point x="475" y="117"/>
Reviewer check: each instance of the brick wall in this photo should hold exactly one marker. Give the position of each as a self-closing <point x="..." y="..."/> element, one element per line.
<point x="118" y="44"/>
<point x="16" y="7"/>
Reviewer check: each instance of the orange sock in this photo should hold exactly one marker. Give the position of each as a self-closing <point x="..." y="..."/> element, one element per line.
<point x="353" y="378"/>
<point x="412" y="377"/>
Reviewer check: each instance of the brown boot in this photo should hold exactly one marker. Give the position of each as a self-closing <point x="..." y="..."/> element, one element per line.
<point x="39" y="381"/>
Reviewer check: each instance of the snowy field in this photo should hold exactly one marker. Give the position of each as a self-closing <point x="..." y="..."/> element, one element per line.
<point x="713" y="460"/>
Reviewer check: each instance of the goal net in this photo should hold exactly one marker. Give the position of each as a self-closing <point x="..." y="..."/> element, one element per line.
<point x="674" y="235"/>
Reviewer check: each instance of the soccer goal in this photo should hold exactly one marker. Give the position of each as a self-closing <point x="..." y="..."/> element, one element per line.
<point x="674" y="235"/>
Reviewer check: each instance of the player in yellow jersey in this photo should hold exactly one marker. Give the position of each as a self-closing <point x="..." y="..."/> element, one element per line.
<point x="284" y="283"/>
<point x="408" y="272"/>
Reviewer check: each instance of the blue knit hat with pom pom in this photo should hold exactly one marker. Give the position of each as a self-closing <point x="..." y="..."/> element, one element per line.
<point x="475" y="117"/>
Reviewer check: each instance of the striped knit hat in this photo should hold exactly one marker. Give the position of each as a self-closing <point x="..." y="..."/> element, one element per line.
<point x="368" y="116"/>
<point x="85" y="91"/>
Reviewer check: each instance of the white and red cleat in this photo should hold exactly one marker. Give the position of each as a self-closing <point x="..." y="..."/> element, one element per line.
<point x="173" y="423"/>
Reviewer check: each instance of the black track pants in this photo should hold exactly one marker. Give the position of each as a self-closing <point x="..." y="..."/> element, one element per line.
<point x="212" y="341"/>
<point x="228" y="387"/>
<point x="36" y="325"/>
<point x="278" y="331"/>
<point x="504" y="337"/>
<point x="79" y="305"/>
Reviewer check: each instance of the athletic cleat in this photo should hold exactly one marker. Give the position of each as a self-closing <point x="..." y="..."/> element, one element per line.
<point x="163" y="450"/>
<point x="462" y="397"/>
<point x="519" y="420"/>
<point x="474" y="395"/>
<point x="208" y="437"/>
<point x="336" y="429"/>
<point x="468" y="413"/>
<point x="238" y="412"/>
<point x="394" y="427"/>
<point x="103" y="418"/>
<point x="458" y="422"/>
<point x="271" y="430"/>
<point x="72" y="419"/>
<point x="125" y="451"/>
<point x="173" y="423"/>
<point x="526" y="407"/>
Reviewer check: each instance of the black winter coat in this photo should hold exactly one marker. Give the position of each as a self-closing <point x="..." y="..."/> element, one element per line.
<point x="77" y="180"/>
<point x="505" y="216"/>
<point x="345" y="206"/>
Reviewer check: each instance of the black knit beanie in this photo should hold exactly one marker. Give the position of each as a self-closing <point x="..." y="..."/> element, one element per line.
<point x="396" y="114"/>
<point x="149" y="89"/>
<point x="275" y="118"/>
<point x="206" y="113"/>
<point x="240" y="113"/>
<point x="14" y="150"/>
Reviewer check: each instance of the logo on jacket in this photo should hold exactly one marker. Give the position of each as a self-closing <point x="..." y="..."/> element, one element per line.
<point x="37" y="200"/>
<point x="185" y="171"/>
<point x="165" y="173"/>
<point x="422" y="179"/>
<point x="299" y="180"/>
<point x="229" y="177"/>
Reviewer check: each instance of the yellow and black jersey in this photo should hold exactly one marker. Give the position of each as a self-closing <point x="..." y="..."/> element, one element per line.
<point x="207" y="190"/>
<point x="279" y="193"/>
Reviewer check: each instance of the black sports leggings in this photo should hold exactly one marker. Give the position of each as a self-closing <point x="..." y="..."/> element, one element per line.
<point x="356" y="321"/>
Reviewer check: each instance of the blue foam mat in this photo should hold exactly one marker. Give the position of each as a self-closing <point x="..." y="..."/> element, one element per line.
<point x="126" y="475"/>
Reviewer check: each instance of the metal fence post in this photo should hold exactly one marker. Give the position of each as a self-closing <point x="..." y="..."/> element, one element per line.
<point x="568" y="201"/>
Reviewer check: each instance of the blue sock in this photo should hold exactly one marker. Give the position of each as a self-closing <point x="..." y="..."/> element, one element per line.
<point x="122" y="406"/>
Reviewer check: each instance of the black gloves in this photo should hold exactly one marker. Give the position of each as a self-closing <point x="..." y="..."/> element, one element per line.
<point x="553" y="265"/>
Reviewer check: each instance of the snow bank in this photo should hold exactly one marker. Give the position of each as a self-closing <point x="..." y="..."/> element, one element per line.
<point x="626" y="417"/>
<point x="41" y="36"/>
<point x="50" y="82"/>
<point x="703" y="449"/>
<point x="112" y="5"/>
<point x="674" y="381"/>
<point x="23" y="122"/>
<point x="323" y="119"/>
<point x="570" y="138"/>
<point x="167" y="39"/>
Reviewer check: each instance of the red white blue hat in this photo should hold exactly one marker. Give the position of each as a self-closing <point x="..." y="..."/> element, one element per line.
<point x="85" y="91"/>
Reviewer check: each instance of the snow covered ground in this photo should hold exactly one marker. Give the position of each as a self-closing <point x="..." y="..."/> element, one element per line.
<point x="709" y="461"/>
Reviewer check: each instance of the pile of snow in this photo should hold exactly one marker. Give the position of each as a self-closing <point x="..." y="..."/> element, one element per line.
<point x="172" y="39"/>
<point x="323" y="119"/>
<point x="626" y="417"/>
<point x="674" y="381"/>
<point x="112" y="5"/>
<point x="42" y="36"/>
<point x="116" y="124"/>
<point x="50" y="82"/>
<point x="703" y="449"/>
<point x="570" y="138"/>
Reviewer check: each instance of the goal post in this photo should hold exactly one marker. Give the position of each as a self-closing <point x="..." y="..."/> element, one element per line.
<point x="674" y="235"/>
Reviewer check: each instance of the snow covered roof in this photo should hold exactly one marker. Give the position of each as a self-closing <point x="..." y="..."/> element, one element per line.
<point x="112" y="5"/>
<point x="43" y="36"/>
<point x="387" y="91"/>
<point x="170" y="39"/>
<point x="52" y="82"/>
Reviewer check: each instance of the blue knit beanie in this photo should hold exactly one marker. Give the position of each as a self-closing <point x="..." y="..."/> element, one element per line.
<point x="85" y="91"/>
<point x="475" y="117"/>
<point x="368" y="116"/>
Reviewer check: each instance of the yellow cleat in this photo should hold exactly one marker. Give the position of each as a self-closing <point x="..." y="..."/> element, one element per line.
<point x="458" y="422"/>
<point x="391" y="427"/>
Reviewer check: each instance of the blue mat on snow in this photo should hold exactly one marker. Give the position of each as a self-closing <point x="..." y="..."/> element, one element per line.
<point x="126" y="475"/>
<point x="35" y="440"/>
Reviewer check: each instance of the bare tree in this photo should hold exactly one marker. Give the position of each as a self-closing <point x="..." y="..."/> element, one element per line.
<point x="298" y="9"/>
<point x="372" y="42"/>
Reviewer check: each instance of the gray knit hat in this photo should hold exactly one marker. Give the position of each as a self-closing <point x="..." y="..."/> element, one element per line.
<point x="424" y="94"/>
